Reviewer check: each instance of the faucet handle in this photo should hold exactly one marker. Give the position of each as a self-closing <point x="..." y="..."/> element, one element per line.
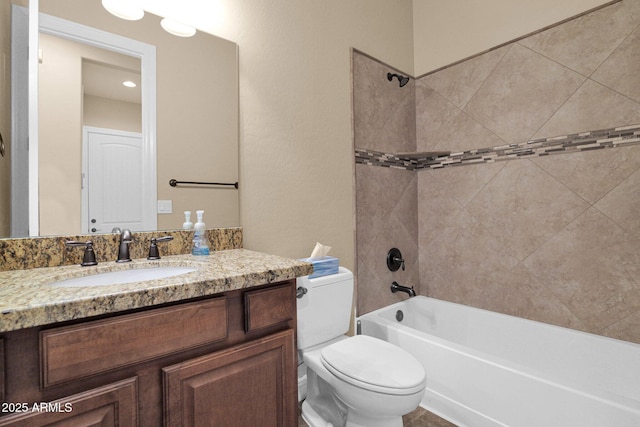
<point x="154" y="253"/>
<point x="394" y="259"/>
<point x="89" y="257"/>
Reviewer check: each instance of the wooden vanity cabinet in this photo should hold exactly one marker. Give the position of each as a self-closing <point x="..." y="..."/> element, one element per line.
<point x="229" y="359"/>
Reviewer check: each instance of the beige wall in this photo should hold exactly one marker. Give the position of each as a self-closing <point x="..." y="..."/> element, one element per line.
<point x="449" y="31"/>
<point x="60" y="136"/>
<point x="111" y="114"/>
<point x="296" y="134"/>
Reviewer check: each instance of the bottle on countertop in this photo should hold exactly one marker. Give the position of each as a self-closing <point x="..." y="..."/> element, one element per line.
<point x="187" y="225"/>
<point x="200" y="244"/>
<point x="199" y="225"/>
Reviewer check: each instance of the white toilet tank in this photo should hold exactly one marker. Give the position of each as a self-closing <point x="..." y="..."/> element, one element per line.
<point x="324" y="312"/>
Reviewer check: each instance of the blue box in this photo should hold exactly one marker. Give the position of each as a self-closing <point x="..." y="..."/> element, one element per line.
<point x="323" y="266"/>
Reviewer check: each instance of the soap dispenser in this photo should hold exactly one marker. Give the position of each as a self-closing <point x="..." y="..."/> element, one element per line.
<point x="187" y="225"/>
<point x="199" y="223"/>
<point x="200" y="244"/>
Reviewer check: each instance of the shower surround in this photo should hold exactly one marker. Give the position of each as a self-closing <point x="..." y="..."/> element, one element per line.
<point x="553" y="238"/>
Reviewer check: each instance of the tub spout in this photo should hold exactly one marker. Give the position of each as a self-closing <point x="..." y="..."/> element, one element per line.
<point x="395" y="287"/>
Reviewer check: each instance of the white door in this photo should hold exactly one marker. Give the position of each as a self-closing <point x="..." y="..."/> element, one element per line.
<point x="112" y="181"/>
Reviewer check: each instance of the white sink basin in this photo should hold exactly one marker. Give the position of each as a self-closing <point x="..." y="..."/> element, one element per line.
<point x="123" y="276"/>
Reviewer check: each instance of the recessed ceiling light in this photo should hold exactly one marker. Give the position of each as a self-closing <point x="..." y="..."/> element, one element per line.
<point x="121" y="9"/>
<point x="177" y="28"/>
<point x="129" y="83"/>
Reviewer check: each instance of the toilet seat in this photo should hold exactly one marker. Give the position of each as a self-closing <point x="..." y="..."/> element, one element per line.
<point x="375" y="365"/>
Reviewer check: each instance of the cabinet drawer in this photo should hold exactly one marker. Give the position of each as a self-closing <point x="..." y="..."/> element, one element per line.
<point x="111" y="405"/>
<point x="90" y="348"/>
<point x="268" y="307"/>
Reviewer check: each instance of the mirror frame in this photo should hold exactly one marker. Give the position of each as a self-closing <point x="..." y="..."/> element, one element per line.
<point x="98" y="38"/>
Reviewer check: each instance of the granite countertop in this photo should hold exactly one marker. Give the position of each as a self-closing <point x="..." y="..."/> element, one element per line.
<point x="28" y="298"/>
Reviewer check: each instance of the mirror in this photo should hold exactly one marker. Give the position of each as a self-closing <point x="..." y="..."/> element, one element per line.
<point x="195" y="136"/>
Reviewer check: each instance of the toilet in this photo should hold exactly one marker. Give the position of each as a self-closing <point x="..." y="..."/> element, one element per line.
<point x="357" y="381"/>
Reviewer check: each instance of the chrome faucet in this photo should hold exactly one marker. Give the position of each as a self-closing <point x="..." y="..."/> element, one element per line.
<point x="123" y="252"/>
<point x="395" y="287"/>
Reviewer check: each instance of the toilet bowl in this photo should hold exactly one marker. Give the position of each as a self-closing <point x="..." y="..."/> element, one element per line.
<point x="357" y="381"/>
<point x="375" y="381"/>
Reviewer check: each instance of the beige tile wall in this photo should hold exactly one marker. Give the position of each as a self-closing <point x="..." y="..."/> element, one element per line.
<point x="386" y="199"/>
<point x="554" y="238"/>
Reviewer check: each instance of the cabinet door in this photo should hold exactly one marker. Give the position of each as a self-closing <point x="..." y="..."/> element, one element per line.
<point x="111" y="405"/>
<point x="253" y="384"/>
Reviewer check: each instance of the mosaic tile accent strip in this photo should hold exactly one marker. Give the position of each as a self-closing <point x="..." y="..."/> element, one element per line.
<point x="593" y="140"/>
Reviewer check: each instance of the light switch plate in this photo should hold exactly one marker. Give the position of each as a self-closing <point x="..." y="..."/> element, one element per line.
<point x="165" y="206"/>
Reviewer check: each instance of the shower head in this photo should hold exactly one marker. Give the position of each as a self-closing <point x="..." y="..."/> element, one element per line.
<point x="402" y="79"/>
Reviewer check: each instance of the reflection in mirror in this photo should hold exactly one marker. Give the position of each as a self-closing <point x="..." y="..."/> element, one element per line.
<point x="195" y="138"/>
<point x="108" y="150"/>
<point x="112" y="147"/>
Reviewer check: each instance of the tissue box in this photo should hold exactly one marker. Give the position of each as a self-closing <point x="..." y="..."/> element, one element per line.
<point x="323" y="266"/>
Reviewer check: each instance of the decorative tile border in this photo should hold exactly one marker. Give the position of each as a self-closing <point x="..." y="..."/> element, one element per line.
<point x="594" y="140"/>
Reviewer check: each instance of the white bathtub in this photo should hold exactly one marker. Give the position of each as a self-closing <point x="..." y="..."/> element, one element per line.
<point x="490" y="369"/>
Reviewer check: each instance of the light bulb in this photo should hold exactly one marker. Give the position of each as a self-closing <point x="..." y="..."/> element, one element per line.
<point x="176" y="28"/>
<point x="123" y="10"/>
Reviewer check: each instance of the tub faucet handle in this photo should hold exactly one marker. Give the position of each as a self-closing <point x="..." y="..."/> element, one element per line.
<point x="395" y="260"/>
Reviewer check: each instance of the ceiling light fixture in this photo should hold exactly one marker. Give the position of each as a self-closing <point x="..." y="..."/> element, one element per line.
<point x="121" y="9"/>
<point x="129" y="83"/>
<point x="177" y="28"/>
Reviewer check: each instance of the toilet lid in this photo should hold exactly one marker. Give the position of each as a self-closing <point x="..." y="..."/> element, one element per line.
<point x="375" y="365"/>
